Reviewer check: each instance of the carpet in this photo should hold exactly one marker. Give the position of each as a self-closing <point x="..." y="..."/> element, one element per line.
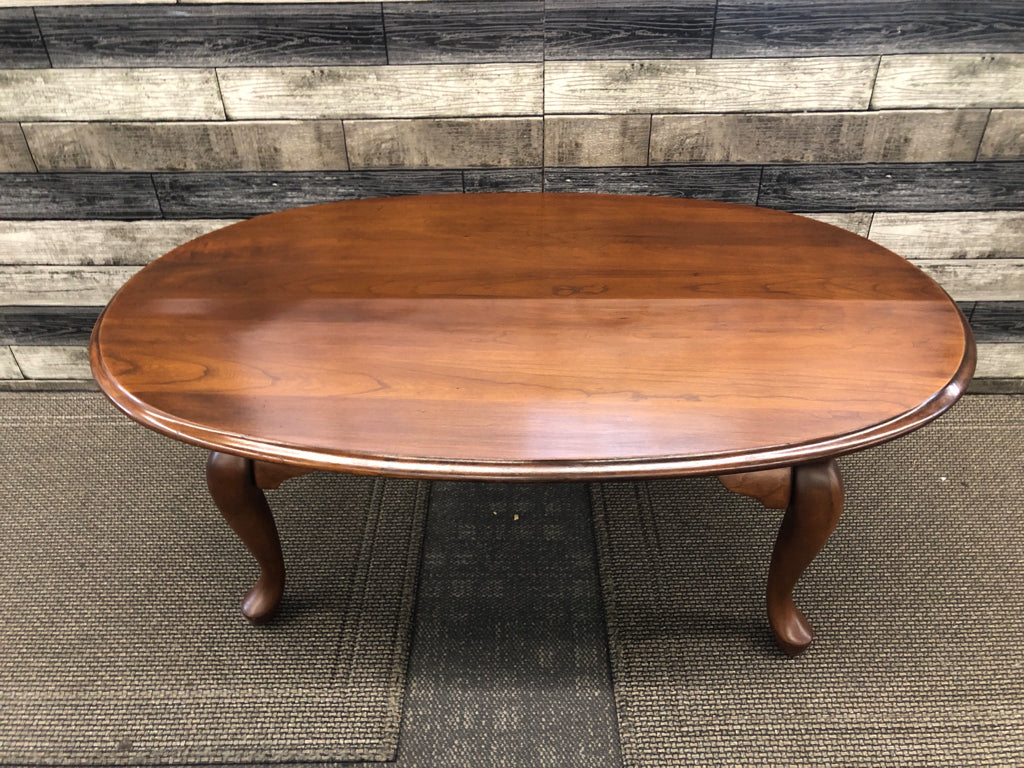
<point x="123" y="641"/>
<point x="918" y="603"/>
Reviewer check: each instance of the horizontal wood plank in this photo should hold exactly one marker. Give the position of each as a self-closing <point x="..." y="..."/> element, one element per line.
<point x="455" y="90"/>
<point x="894" y="187"/>
<point x="950" y="80"/>
<point x="8" y="365"/>
<point x="56" y="362"/>
<point x="955" y="235"/>
<point x="911" y="136"/>
<point x="628" y="29"/>
<point x="220" y="195"/>
<point x="45" y="326"/>
<point x="596" y="140"/>
<point x="77" y="196"/>
<point x="61" y="286"/>
<point x="859" y="223"/>
<point x="755" y="85"/>
<point x="96" y="243"/>
<point x="194" y="146"/>
<point x="21" y="45"/>
<point x="734" y="184"/>
<point x="983" y="280"/>
<point x="504" y="180"/>
<point x="464" y="31"/>
<point x="213" y="35"/>
<point x="39" y="3"/>
<point x="832" y="27"/>
<point x="109" y="94"/>
<point x="14" y="154"/>
<point x="1004" y="136"/>
<point x="1000" y="361"/>
<point x="453" y="143"/>
<point x="998" y="321"/>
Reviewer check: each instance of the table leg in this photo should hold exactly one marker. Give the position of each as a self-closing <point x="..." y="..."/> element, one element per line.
<point x="814" y="509"/>
<point x="232" y="483"/>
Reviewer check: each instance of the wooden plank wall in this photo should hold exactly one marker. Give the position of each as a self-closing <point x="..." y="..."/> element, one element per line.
<point x="126" y="129"/>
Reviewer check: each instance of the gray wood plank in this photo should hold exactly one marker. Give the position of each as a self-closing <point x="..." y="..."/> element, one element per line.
<point x="833" y="27"/>
<point x="950" y="80"/>
<point x="56" y="362"/>
<point x="911" y="136"/>
<point x="213" y="35"/>
<point x="998" y="321"/>
<point x="109" y="94"/>
<point x="859" y="223"/>
<point x="455" y="90"/>
<point x="734" y="184"/>
<point x="628" y="29"/>
<point x="1000" y="361"/>
<point x="977" y="280"/>
<point x="38" y="3"/>
<point x="1004" y="136"/>
<point x="14" y="154"/>
<point x="8" y="365"/>
<point x="45" y="326"/>
<point x="894" y="187"/>
<point x="21" y="45"/>
<point x="284" y="145"/>
<point x="467" y="31"/>
<point x="484" y="142"/>
<point x="596" y="140"/>
<point x="752" y="85"/>
<point x="217" y="195"/>
<point x="953" y="235"/>
<point x="504" y="180"/>
<point x="96" y="243"/>
<point x="77" y="196"/>
<point x="61" y="286"/>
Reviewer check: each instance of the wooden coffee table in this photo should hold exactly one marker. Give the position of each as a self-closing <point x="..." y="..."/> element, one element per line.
<point x="535" y="337"/>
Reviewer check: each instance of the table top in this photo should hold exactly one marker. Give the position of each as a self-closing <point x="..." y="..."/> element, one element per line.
<point x="532" y="336"/>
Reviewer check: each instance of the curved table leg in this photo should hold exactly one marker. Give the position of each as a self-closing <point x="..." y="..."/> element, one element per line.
<point x="232" y="483"/>
<point x="817" y="502"/>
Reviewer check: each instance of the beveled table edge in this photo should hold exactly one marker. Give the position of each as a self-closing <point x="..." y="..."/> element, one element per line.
<point x="769" y="457"/>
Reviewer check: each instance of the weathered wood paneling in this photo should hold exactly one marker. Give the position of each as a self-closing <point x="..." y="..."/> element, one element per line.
<point x="38" y="3"/>
<point x="596" y="140"/>
<point x="629" y="29"/>
<point x="14" y="154"/>
<point x="859" y="223"/>
<point x="53" y="362"/>
<point x="504" y="180"/>
<point x="955" y="235"/>
<point x="735" y="184"/>
<point x="1000" y="361"/>
<point x="1004" y="136"/>
<point x="77" y="196"/>
<point x="44" y="326"/>
<point x="213" y="35"/>
<point x="894" y="187"/>
<point x="999" y="321"/>
<point x="57" y="286"/>
<point x="986" y="280"/>
<point x="96" y="243"/>
<point x="762" y="85"/>
<point x="456" y="90"/>
<point x="466" y="31"/>
<point x="219" y="195"/>
<point x="21" y="45"/>
<point x="308" y="145"/>
<point x="950" y="80"/>
<point x="8" y="366"/>
<point x="832" y="27"/>
<point x="453" y="143"/>
<point x="828" y="137"/>
<point x="109" y="94"/>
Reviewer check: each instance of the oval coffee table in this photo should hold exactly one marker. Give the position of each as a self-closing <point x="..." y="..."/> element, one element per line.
<point x="535" y="337"/>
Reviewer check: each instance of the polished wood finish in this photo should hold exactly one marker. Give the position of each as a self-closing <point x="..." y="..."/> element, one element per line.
<point x="770" y="486"/>
<point x="269" y="475"/>
<point x="812" y="516"/>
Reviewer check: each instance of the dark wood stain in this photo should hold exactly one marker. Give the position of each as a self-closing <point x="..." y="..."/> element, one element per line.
<point x="77" y="196"/>
<point x="450" y="31"/>
<point x="43" y="326"/>
<point x="636" y="29"/>
<point x="213" y="35"/>
<point x="999" y="321"/>
<point x="733" y="184"/>
<point x="746" y="28"/>
<point x="21" y="46"/>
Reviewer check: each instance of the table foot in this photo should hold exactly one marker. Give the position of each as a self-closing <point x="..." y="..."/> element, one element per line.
<point x="232" y="483"/>
<point x="817" y="502"/>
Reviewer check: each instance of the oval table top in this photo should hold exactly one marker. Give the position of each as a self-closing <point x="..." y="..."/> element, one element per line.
<point x="532" y="336"/>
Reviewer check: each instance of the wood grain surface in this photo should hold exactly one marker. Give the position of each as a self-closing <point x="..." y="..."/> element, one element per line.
<point x="951" y="235"/>
<point x="1004" y="136"/>
<point x="21" y="45"/>
<point x="532" y="336"/>
<point x="43" y="326"/>
<point x="503" y="180"/>
<point x="944" y="80"/>
<point x="596" y="140"/>
<point x="14" y="154"/>
<point x="733" y="184"/>
<point x="77" y="196"/>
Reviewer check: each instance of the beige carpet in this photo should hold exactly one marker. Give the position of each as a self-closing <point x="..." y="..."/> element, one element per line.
<point x="918" y="601"/>
<point x="122" y="638"/>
